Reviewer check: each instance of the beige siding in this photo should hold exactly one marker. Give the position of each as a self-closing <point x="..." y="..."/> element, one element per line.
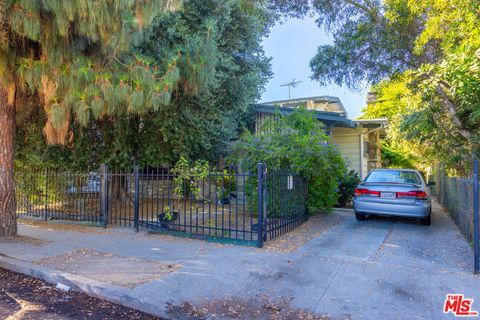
<point x="260" y="119"/>
<point x="348" y="141"/>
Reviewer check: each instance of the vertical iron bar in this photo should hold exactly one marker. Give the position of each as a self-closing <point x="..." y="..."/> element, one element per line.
<point x="203" y="205"/>
<point x="223" y="205"/>
<point x="145" y="217"/>
<point x="164" y="185"/>
<point x="46" y="194"/>
<point x="264" y="199"/>
<point x="260" y="189"/>
<point x="210" y="203"/>
<point x="140" y="212"/>
<point x="476" y="220"/>
<point x="216" y="204"/>
<point x="185" y="199"/>
<point x="157" y="211"/>
<point x="135" y="201"/>
<point x="103" y="194"/>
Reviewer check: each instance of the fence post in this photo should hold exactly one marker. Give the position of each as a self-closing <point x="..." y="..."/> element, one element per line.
<point x="264" y="198"/>
<point x="46" y="195"/>
<point x="136" y="198"/>
<point x="261" y="202"/>
<point x="476" y="220"/>
<point x="104" y="193"/>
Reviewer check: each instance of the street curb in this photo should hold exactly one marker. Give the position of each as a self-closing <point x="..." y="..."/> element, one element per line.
<point x="90" y="287"/>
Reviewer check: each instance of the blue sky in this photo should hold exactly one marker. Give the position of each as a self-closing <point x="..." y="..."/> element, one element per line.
<point x="292" y="45"/>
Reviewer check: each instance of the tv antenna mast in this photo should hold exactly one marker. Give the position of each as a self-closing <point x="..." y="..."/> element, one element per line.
<point x="291" y="84"/>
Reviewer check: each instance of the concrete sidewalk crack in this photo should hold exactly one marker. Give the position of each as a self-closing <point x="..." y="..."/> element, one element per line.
<point x="382" y="245"/>
<point x="328" y="286"/>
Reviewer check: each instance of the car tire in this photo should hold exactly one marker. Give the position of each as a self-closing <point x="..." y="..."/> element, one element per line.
<point x="360" y="217"/>
<point x="427" y="221"/>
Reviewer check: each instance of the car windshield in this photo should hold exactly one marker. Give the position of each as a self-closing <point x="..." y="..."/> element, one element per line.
<point x="394" y="176"/>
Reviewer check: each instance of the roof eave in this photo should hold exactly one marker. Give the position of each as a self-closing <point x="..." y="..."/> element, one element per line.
<point x="325" y="116"/>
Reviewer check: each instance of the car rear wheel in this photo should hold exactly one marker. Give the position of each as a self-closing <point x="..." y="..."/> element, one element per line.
<point x="427" y="221"/>
<point x="360" y="217"/>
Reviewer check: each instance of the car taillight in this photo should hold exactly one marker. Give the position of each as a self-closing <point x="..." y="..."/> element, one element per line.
<point x="366" y="192"/>
<point x="407" y="194"/>
<point x="420" y="195"/>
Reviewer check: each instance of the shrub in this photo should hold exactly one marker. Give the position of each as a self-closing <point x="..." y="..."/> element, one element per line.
<point x="297" y="141"/>
<point x="346" y="188"/>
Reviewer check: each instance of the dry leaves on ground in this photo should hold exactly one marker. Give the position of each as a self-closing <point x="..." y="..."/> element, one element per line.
<point x="26" y="298"/>
<point x="234" y="308"/>
<point x="64" y="226"/>
<point x="312" y="228"/>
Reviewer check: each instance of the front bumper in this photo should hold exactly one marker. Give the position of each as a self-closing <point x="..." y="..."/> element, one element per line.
<point x="415" y="210"/>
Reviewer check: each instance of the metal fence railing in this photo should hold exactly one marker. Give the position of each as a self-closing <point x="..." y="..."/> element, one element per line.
<point x="456" y="194"/>
<point x="285" y="199"/>
<point x="460" y="195"/>
<point x="229" y="206"/>
<point x="53" y="194"/>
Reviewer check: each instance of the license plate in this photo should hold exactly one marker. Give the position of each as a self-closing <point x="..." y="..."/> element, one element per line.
<point x="387" y="195"/>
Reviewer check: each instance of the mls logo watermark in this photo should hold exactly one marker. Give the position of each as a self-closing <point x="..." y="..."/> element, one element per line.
<point x="459" y="306"/>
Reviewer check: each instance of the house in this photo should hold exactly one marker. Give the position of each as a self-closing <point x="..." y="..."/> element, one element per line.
<point x="358" y="140"/>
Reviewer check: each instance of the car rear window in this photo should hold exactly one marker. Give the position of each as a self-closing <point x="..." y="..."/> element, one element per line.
<point x="394" y="176"/>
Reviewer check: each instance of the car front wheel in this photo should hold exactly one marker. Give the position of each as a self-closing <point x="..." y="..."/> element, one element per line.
<point x="360" y="217"/>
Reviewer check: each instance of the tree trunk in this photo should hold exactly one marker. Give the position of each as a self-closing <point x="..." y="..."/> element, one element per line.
<point x="8" y="221"/>
<point x="452" y="110"/>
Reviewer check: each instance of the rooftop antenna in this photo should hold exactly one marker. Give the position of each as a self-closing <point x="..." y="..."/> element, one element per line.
<point x="291" y="84"/>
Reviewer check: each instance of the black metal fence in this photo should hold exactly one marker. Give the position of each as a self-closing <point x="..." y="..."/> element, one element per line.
<point x="227" y="206"/>
<point x="460" y="195"/>
<point x="50" y="195"/>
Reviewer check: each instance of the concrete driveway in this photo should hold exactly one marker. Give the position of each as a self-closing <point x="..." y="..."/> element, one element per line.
<point x="377" y="269"/>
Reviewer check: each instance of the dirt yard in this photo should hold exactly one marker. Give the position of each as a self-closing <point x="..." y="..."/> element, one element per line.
<point x="25" y="298"/>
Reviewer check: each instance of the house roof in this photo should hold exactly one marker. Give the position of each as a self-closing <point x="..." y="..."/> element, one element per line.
<point x="330" y="104"/>
<point x="381" y="121"/>
<point x="372" y="123"/>
<point x="329" y="118"/>
<point x="377" y="124"/>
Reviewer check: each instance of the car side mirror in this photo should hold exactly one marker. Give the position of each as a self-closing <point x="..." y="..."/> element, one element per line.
<point x="431" y="183"/>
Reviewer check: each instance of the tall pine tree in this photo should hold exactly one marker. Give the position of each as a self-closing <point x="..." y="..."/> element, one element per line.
<point x="79" y="59"/>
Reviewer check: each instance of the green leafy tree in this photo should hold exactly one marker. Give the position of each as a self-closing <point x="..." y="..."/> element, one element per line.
<point x="199" y="126"/>
<point x="80" y="60"/>
<point x="426" y="51"/>
<point x="297" y="141"/>
<point x="373" y="40"/>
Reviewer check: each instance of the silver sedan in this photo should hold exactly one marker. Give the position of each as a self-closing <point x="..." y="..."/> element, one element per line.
<point x="393" y="192"/>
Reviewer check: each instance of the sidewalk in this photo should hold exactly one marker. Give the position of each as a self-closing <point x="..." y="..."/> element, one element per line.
<point x="382" y="268"/>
